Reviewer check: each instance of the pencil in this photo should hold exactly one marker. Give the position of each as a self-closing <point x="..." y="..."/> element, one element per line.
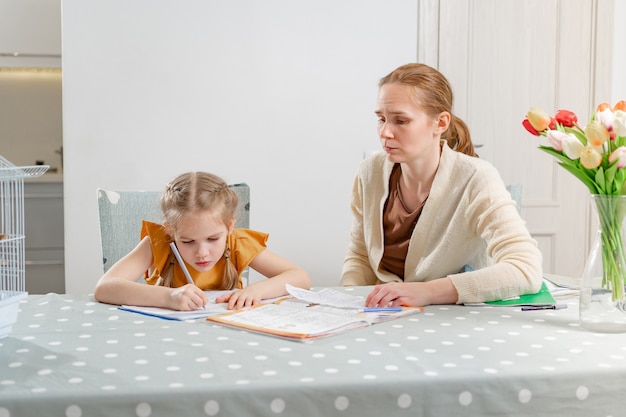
<point x="182" y="264"/>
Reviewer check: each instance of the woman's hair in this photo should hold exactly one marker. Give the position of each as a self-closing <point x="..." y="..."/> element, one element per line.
<point x="200" y="191"/>
<point x="434" y="95"/>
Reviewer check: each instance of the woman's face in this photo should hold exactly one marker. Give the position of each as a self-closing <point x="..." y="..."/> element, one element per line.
<point x="201" y="239"/>
<point x="406" y="132"/>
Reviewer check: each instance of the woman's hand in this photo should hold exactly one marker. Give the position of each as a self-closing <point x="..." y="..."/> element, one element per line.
<point x="395" y="294"/>
<point x="246" y="297"/>
<point x="187" y="298"/>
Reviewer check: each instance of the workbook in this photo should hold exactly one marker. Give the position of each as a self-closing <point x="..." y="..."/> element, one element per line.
<point x="308" y="314"/>
<point x="165" y="313"/>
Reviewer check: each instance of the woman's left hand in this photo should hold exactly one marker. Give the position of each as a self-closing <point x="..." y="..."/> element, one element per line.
<point x="395" y="294"/>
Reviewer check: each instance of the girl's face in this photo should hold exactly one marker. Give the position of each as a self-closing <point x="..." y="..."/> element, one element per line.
<point x="406" y="132"/>
<point x="201" y="239"/>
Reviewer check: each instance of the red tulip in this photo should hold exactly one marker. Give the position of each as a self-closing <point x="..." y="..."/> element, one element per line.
<point x="566" y="118"/>
<point x="530" y="127"/>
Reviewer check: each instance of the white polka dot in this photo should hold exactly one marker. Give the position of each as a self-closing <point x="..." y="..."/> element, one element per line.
<point x="170" y="353"/>
<point x="109" y="371"/>
<point x="369" y="376"/>
<point x="404" y="401"/>
<point x="108" y="388"/>
<point x="82" y="349"/>
<point x="331" y="370"/>
<point x="141" y="362"/>
<point x="285" y="349"/>
<point x="307" y="379"/>
<point x="277" y="405"/>
<point x="139" y="334"/>
<point x="490" y="371"/>
<point x="582" y="392"/>
<point x="242" y="382"/>
<point x="319" y="355"/>
<point x="110" y="355"/>
<point x="524" y="396"/>
<point x="375" y="353"/>
<point x="360" y="339"/>
<point x="342" y="403"/>
<point x="411" y="358"/>
<point x="430" y="350"/>
<point x="234" y="366"/>
<point x="465" y="398"/>
<point x="172" y="368"/>
<point x="354" y="361"/>
<point x="431" y="373"/>
<point x="391" y="368"/>
<point x="15" y="364"/>
<point x="270" y="373"/>
<point x="253" y="343"/>
<point x="207" y="375"/>
<point x="466" y="356"/>
<point x="449" y="365"/>
<point x="7" y="382"/>
<point x="211" y="408"/>
<point x="140" y="347"/>
<point x="39" y="390"/>
<point x="73" y="411"/>
<point x="75" y="380"/>
<point x="112" y="341"/>
<point x="143" y="410"/>
<point x="229" y="351"/>
<point x="260" y="357"/>
<point x="43" y="372"/>
<point x="176" y="385"/>
<point x="141" y="378"/>
<point x="294" y="363"/>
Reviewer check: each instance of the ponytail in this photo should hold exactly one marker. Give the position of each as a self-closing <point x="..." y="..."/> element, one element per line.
<point x="458" y="137"/>
<point x="231" y="276"/>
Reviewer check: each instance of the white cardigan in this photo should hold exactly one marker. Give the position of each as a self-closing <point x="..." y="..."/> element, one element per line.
<point x="468" y="219"/>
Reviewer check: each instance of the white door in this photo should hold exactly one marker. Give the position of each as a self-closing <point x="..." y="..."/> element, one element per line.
<point x="504" y="56"/>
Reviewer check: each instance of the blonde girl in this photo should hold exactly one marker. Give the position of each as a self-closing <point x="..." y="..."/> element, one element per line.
<point x="199" y="211"/>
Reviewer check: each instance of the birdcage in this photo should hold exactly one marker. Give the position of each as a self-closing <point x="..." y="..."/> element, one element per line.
<point x="12" y="249"/>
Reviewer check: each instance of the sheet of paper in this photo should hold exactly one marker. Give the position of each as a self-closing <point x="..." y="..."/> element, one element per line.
<point x="327" y="297"/>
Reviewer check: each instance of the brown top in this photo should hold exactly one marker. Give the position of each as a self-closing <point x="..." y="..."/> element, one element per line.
<point x="398" y="225"/>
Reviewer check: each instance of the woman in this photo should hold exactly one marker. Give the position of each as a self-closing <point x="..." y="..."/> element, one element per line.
<point x="433" y="224"/>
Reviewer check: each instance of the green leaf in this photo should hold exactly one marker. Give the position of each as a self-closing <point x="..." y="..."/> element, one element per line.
<point x="581" y="176"/>
<point x="600" y="183"/>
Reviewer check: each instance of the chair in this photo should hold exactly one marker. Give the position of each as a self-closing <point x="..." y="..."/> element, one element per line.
<point x="516" y="194"/>
<point x="121" y="213"/>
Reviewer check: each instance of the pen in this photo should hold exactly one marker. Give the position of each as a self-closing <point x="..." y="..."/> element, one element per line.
<point x="554" y="307"/>
<point x="182" y="264"/>
<point x="380" y="309"/>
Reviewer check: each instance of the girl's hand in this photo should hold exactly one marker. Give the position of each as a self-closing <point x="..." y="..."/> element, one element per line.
<point x="246" y="297"/>
<point x="187" y="298"/>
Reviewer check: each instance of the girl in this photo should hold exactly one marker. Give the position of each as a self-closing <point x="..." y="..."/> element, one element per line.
<point x="433" y="223"/>
<point x="199" y="210"/>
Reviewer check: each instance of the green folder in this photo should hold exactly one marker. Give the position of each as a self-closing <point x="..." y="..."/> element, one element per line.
<point x="542" y="298"/>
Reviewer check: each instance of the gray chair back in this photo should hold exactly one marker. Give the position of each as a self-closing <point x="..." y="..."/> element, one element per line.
<point x="121" y="213"/>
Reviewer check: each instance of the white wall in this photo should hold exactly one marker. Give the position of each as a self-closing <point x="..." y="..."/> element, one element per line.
<point x="276" y="93"/>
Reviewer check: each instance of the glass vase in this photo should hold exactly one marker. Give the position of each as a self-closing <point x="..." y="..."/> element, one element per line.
<point x="602" y="299"/>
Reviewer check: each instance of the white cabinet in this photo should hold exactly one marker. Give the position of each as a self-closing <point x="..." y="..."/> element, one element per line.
<point x="43" y="224"/>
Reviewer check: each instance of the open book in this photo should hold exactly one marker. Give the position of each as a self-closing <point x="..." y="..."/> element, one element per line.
<point x="310" y="315"/>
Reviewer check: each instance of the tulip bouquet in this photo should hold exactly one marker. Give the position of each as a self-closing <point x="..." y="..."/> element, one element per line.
<point x="596" y="155"/>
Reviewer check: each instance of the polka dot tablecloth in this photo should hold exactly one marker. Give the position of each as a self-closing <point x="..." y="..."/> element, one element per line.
<point x="70" y="356"/>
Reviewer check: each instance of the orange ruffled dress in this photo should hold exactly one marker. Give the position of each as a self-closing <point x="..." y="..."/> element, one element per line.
<point x="244" y="244"/>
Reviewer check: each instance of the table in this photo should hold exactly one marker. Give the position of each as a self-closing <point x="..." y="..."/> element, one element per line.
<point x="71" y="356"/>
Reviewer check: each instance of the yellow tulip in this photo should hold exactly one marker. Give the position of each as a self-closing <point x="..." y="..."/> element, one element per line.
<point x="590" y="158"/>
<point x="538" y="119"/>
<point x="596" y="133"/>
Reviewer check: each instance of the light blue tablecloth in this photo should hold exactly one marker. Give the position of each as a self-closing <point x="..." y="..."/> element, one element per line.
<point x="73" y="357"/>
